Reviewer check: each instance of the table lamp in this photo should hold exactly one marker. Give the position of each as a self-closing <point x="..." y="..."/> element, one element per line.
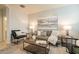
<point x="67" y="28"/>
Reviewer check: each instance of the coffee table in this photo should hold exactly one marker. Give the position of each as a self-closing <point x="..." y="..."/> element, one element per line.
<point x="35" y="48"/>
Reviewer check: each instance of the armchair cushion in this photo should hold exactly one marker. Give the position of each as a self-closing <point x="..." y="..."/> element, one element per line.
<point x="42" y="37"/>
<point x="48" y="33"/>
<point x="53" y="38"/>
<point x="20" y="33"/>
<point x="41" y="42"/>
<point x="16" y="34"/>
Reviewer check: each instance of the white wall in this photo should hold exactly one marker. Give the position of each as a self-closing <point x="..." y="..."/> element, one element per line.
<point x="2" y="28"/>
<point x="68" y="15"/>
<point x="1" y="25"/>
<point x="17" y="20"/>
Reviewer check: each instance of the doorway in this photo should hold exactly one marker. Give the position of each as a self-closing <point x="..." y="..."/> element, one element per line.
<point x="3" y="23"/>
<point x="1" y="26"/>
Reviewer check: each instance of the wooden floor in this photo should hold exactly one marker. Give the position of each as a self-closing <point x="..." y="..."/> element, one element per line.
<point x="18" y="49"/>
<point x="3" y="45"/>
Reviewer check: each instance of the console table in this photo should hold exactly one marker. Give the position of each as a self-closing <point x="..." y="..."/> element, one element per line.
<point x="70" y="43"/>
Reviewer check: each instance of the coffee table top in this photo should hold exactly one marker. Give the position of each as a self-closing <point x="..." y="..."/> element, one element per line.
<point x="33" y="47"/>
<point x="33" y="42"/>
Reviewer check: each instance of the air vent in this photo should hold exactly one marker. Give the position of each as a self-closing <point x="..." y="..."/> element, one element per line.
<point x="22" y="6"/>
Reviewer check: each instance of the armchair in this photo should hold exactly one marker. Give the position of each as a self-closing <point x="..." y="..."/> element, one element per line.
<point x="15" y="37"/>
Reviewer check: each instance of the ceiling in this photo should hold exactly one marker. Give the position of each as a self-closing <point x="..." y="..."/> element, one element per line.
<point x="35" y="8"/>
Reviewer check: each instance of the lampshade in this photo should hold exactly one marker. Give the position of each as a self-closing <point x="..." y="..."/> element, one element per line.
<point x="67" y="27"/>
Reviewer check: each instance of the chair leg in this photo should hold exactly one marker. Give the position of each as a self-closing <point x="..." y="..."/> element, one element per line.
<point x="17" y="41"/>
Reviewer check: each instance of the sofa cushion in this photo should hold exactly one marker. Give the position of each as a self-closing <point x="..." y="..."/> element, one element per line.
<point x="48" y="33"/>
